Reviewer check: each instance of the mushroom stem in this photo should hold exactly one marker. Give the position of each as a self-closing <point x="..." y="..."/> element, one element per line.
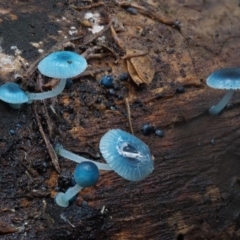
<point x="215" y="110"/>
<point x="74" y="157"/>
<point x="40" y="96"/>
<point x="62" y="199"/>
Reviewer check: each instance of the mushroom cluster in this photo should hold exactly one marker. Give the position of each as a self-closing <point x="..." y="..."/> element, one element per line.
<point x="62" y="65"/>
<point x="124" y="153"/>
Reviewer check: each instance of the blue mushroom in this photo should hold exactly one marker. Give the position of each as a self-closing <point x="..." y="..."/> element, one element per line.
<point x="107" y="81"/>
<point x="86" y="174"/>
<point x="12" y="94"/>
<point x="124" y="153"/>
<point x="227" y="78"/>
<point x="62" y="65"/>
<point x="127" y="155"/>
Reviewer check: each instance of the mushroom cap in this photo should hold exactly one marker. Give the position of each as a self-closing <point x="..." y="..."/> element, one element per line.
<point x="127" y="155"/>
<point x="226" y="78"/>
<point x="63" y="64"/>
<point x="11" y="93"/>
<point x="86" y="174"/>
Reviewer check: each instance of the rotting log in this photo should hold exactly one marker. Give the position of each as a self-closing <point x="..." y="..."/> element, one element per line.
<point x="195" y="187"/>
<point x="194" y="190"/>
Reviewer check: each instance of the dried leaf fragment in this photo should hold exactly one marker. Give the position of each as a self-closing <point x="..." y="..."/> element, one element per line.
<point x="144" y="68"/>
<point x="133" y="73"/>
<point x="140" y="66"/>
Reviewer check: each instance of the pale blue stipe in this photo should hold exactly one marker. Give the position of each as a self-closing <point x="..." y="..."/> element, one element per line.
<point x="215" y="110"/>
<point x="49" y="94"/>
<point x="127" y="155"/>
<point x="12" y="94"/>
<point x="227" y="78"/>
<point x="86" y="174"/>
<point x="61" y="151"/>
<point x="62" y="199"/>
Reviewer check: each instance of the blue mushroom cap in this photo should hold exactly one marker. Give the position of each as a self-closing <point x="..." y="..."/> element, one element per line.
<point x="126" y="155"/>
<point x="63" y="64"/>
<point x="226" y="78"/>
<point x="86" y="174"/>
<point x="11" y="93"/>
<point x="107" y="81"/>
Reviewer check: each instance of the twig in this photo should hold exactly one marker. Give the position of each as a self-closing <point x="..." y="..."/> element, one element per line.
<point x="98" y="56"/>
<point x="91" y="50"/>
<point x="115" y="112"/>
<point x="54" y="112"/>
<point x="132" y="55"/>
<point x="66" y="220"/>
<point x="23" y="65"/>
<point x="89" y="73"/>
<point x="109" y="49"/>
<point x="49" y="124"/>
<point x="92" y="37"/>
<point x="129" y="115"/>
<point x="39" y="85"/>
<point x="49" y="147"/>
<point x="39" y="82"/>
<point x="117" y="40"/>
<point x="50" y="221"/>
<point x="146" y="12"/>
<point x="88" y="7"/>
<point x="29" y="176"/>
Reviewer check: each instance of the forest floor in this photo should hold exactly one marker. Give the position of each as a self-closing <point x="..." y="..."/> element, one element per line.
<point x="194" y="191"/>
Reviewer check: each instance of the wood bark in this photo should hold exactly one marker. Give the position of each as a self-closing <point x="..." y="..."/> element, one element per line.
<point x="194" y="190"/>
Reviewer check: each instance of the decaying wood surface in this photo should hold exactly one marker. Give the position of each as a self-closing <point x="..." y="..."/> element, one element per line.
<point x="194" y="191"/>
